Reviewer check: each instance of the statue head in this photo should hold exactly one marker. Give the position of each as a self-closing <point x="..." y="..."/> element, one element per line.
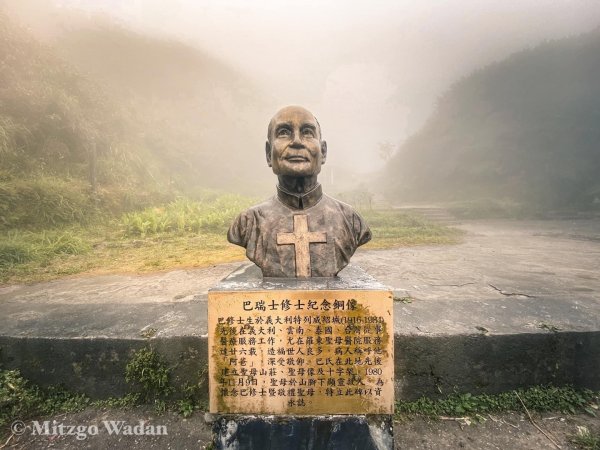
<point x="294" y="146"/>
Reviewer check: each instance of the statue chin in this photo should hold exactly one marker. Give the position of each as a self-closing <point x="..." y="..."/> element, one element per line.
<point x="296" y="172"/>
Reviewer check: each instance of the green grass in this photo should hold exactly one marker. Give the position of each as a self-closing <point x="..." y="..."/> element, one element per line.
<point x="32" y="256"/>
<point x="567" y="400"/>
<point x="44" y="201"/>
<point x="181" y="233"/>
<point x="20" y="399"/>
<point x="585" y="439"/>
<point x="146" y="372"/>
<point x="393" y="228"/>
<point x="23" y="247"/>
<point x="185" y="215"/>
<point x="150" y="375"/>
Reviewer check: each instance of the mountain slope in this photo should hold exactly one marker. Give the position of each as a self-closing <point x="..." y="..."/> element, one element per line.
<point x="65" y="146"/>
<point x="49" y="113"/>
<point x="192" y="110"/>
<point x="201" y="122"/>
<point x="525" y="129"/>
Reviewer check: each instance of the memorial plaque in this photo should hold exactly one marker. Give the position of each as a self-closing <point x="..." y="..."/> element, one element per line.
<point x="301" y="351"/>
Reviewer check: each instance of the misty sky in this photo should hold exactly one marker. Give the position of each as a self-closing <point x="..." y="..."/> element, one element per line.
<point x="370" y="72"/>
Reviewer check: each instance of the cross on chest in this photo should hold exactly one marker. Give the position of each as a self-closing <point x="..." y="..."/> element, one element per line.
<point x="301" y="239"/>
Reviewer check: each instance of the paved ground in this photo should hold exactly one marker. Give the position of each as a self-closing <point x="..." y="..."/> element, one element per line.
<point x="498" y="432"/>
<point x="507" y="276"/>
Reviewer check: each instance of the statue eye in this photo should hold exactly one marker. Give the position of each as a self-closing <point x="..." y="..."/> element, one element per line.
<point x="282" y="132"/>
<point x="308" y="132"/>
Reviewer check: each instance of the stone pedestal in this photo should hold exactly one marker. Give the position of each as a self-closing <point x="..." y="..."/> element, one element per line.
<point x="301" y="363"/>
<point x="331" y="432"/>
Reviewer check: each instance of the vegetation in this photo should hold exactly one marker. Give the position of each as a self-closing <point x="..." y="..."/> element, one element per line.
<point x="23" y="247"/>
<point x="393" y="228"/>
<point x="55" y="121"/>
<point x="194" y="397"/>
<point x="190" y="116"/>
<point x="211" y="215"/>
<point x="567" y="400"/>
<point x="43" y="201"/>
<point x="24" y="257"/>
<point x="522" y="131"/>
<point x="19" y="399"/>
<point x="116" y="139"/>
<point x="149" y="377"/>
<point x="149" y="374"/>
<point x="68" y="151"/>
<point x="585" y="439"/>
<point x="181" y="233"/>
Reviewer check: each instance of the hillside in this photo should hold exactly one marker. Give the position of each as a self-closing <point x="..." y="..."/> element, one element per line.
<point x="524" y="130"/>
<point x="139" y="117"/>
<point x="59" y="135"/>
<point x="201" y="120"/>
<point x="194" y="113"/>
<point x="50" y="114"/>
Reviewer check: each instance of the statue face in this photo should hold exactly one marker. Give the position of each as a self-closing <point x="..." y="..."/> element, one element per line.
<point x="295" y="147"/>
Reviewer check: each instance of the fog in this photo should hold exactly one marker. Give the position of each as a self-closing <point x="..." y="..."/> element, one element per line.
<point x="370" y="73"/>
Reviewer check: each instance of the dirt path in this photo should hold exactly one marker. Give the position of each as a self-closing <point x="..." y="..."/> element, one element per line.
<point x="502" y="431"/>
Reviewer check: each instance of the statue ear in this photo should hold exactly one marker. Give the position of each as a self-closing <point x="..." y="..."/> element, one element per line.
<point x="268" y="153"/>
<point x="323" y="152"/>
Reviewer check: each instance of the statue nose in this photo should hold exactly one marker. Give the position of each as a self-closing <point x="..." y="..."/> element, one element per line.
<point x="296" y="141"/>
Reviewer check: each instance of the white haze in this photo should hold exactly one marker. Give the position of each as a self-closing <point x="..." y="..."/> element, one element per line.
<point x="371" y="72"/>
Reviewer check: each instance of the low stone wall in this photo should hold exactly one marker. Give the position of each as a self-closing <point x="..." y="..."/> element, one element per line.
<point x="424" y="365"/>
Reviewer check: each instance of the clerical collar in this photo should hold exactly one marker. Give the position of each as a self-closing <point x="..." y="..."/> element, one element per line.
<point x="300" y="201"/>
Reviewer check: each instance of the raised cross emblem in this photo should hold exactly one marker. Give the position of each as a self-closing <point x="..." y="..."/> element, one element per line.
<point x="301" y="239"/>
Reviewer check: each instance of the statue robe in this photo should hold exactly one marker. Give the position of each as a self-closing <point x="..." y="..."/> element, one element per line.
<point x="257" y="228"/>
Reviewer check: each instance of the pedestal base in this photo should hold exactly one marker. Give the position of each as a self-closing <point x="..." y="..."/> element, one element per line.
<point x="327" y="432"/>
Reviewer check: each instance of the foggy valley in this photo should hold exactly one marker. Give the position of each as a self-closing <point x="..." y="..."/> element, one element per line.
<point x="204" y="78"/>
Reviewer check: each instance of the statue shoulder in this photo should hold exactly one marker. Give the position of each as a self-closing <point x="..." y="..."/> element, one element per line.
<point x="244" y="224"/>
<point x="361" y="230"/>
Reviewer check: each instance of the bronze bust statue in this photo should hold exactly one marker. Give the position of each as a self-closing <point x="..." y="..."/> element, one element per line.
<point x="300" y="232"/>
